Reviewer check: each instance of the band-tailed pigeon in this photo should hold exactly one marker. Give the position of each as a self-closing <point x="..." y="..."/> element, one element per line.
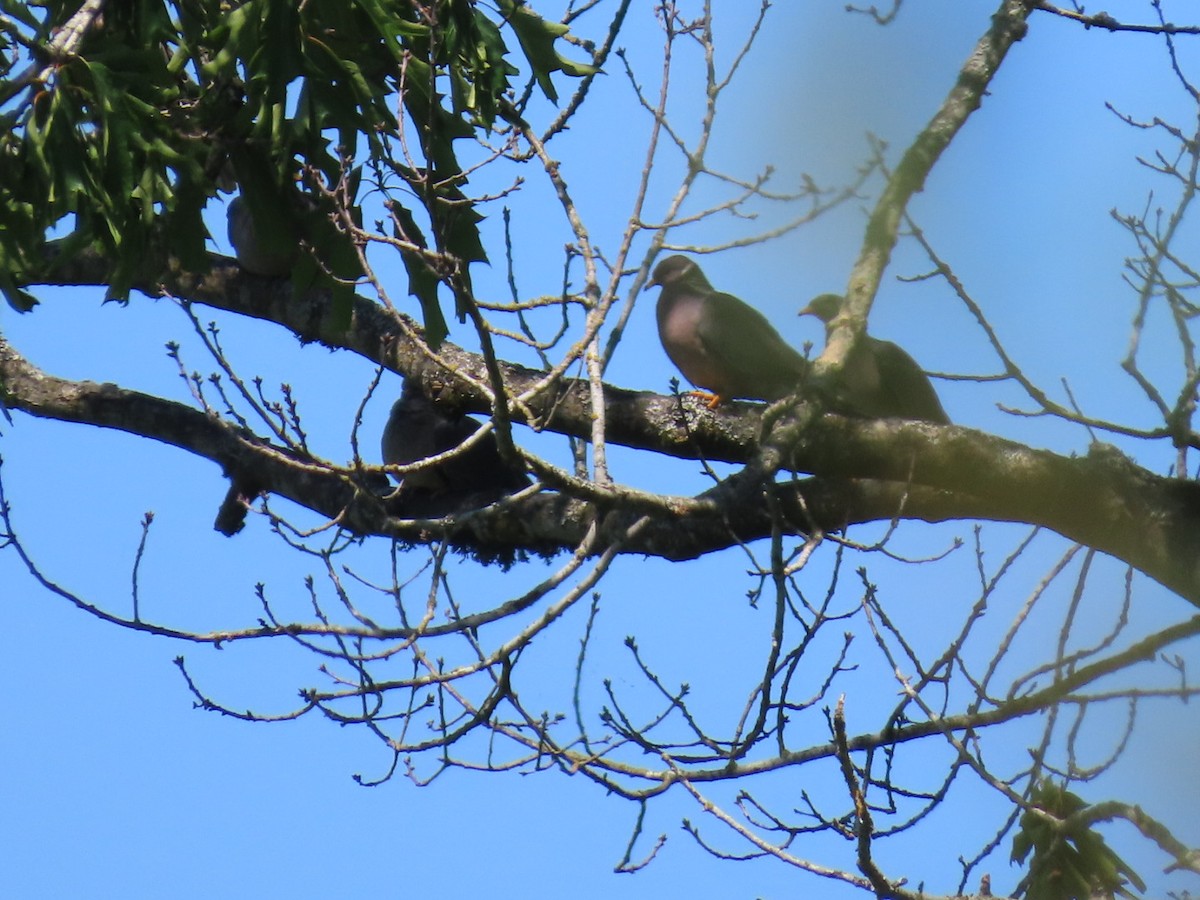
<point x="719" y="343"/>
<point x="252" y="255"/>
<point x="879" y="380"/>
<point x="417" y="429"/>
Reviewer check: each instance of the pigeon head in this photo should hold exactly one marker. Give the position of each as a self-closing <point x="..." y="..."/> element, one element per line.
<point x="678" y="271"/>
<point x="824" y="307"/>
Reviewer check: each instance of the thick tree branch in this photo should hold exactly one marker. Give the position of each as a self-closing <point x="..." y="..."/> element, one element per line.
<point x="869" y="471"/>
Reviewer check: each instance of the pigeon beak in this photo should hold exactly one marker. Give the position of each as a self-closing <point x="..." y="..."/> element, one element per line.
<point x="807" y="311"/>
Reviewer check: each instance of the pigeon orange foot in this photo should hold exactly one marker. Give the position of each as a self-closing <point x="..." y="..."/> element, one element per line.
<point x="709" y="399"/>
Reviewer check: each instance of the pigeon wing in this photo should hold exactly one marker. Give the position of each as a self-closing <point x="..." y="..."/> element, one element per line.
<point x="908" y="392"/>
<point x="481" y="468"/>
<point x="755" y="362"/>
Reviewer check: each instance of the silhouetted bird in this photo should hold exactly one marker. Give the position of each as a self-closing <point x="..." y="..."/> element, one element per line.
<point x="418" y="429"/>
<point x="252" y="255"/>
<point x="231" y="515"/>
<point x="880" y="380"/>
<point x="718" y="342"/>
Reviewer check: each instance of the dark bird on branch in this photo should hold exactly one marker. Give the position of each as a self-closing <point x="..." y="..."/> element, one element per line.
<point x="879" y="380"/>
<point x="721" y="344"/>
<point x="272" y="259"/>
<point x="418" y="429"/>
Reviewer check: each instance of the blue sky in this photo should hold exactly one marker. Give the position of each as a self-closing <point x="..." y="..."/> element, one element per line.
<point x="115" y="786"/>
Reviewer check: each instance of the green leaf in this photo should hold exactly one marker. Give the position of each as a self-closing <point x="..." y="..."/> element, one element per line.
<point x="238" y="31"/>
<point x="268" y="198"/>
<point x="422" y="280"/>
<point x="344" y="97"/>
<point x="21" y="301"/>
<point x="1022" y="844"/>
<point x="281" y="30"/>
<point x="337" y="251"/>
<point x="1069" y="863"/>
<point x="184" y="231"/>
<point x="392" y="27"/>
<point x="537" y="37"/>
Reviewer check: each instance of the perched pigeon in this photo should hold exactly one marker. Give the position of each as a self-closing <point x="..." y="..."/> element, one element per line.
<point x="880" y="380"/>
<point x="719" y="343"/>
<point x="251" y="254"/>
<point x="418" y="429"/>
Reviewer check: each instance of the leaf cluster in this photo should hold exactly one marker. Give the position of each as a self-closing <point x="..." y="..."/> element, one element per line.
<point x="119" y="122"/>
<point x="1070" y="860"/>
